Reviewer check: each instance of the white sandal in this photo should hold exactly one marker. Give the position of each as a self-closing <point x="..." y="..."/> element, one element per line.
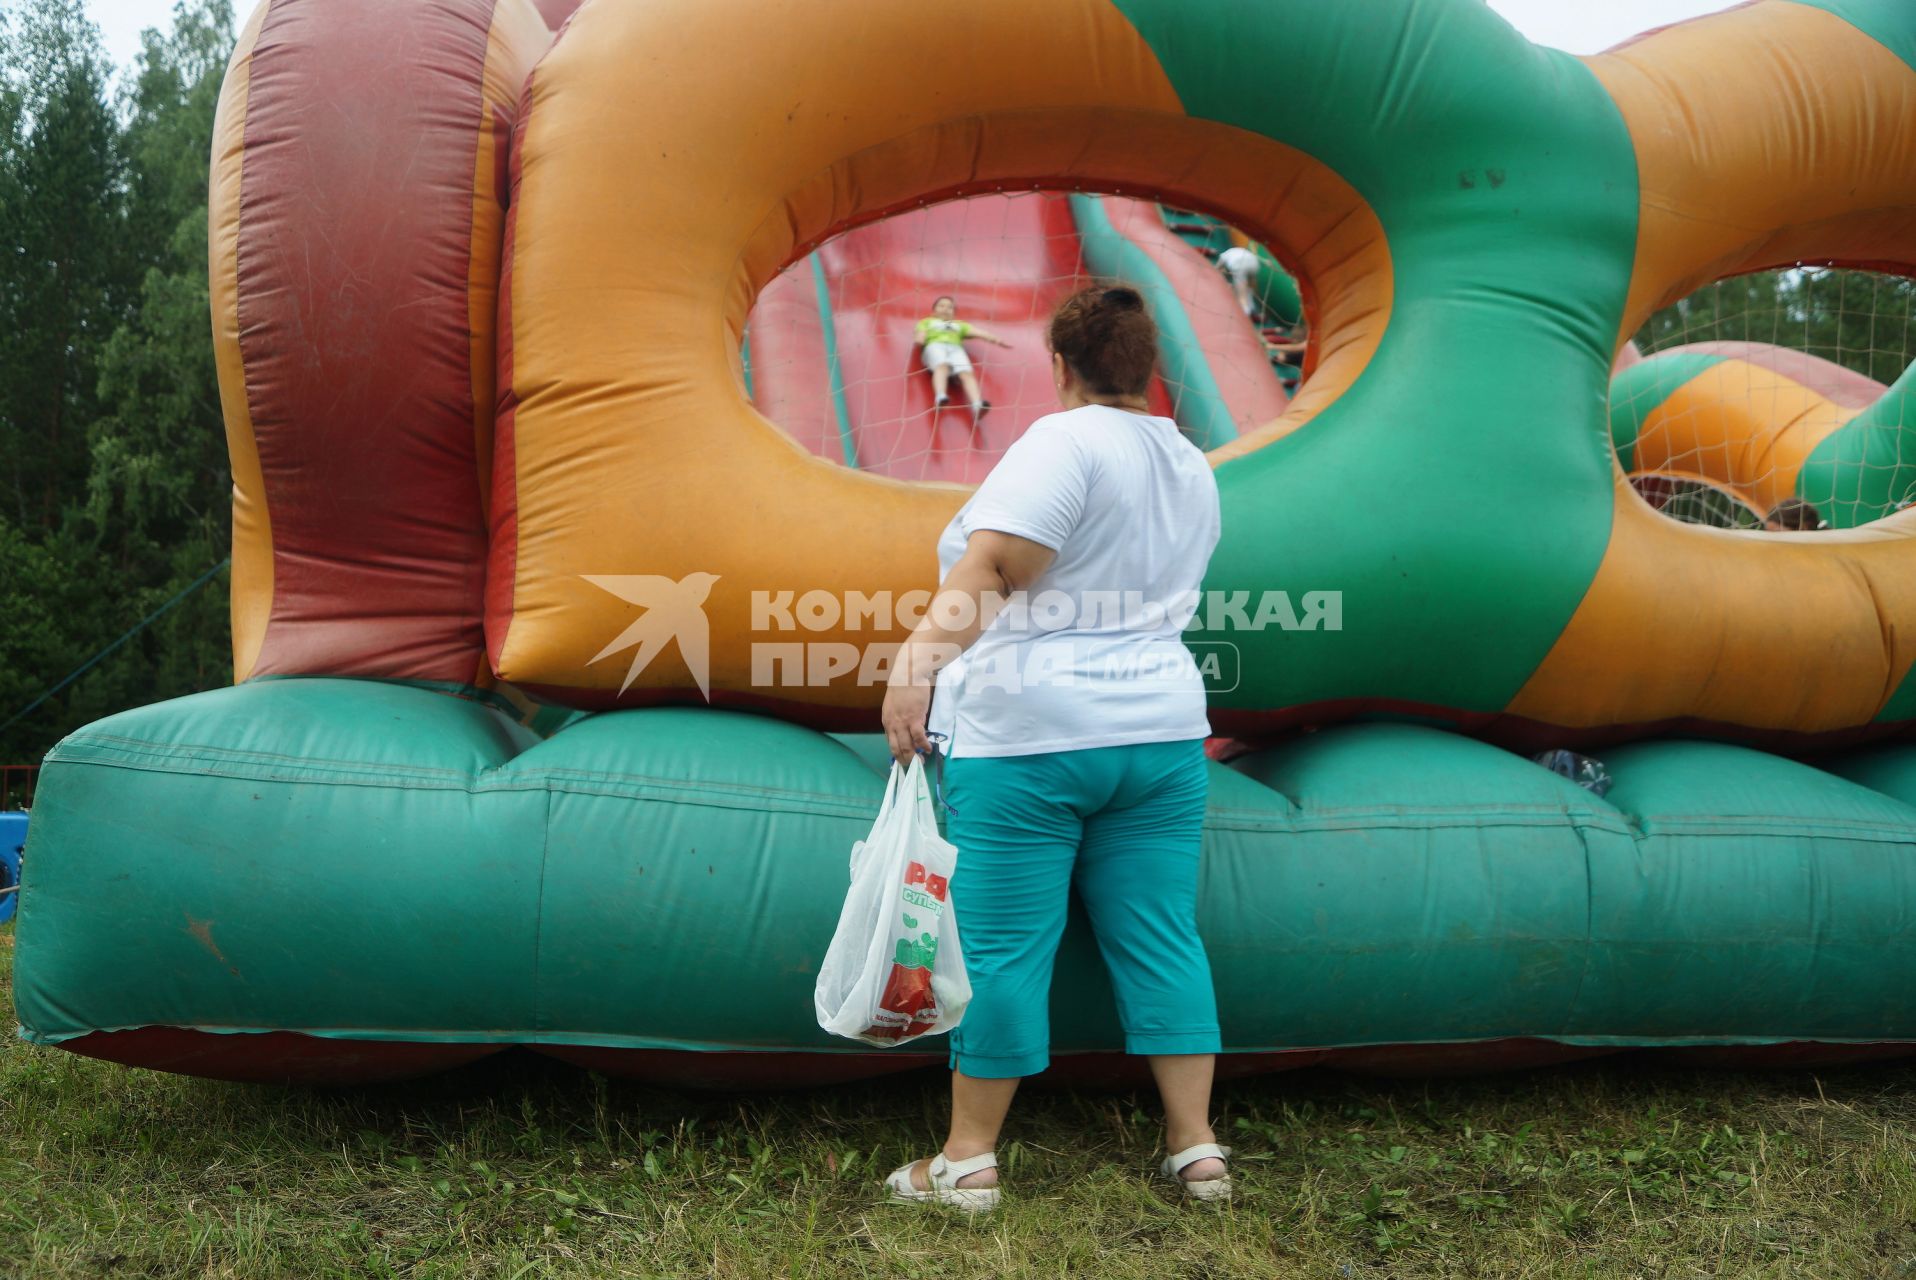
<point x="1209" y="1190"/>
<point x="943" y="1175"/>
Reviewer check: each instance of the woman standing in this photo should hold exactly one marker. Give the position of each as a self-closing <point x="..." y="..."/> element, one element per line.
<point x="1075" y="720"/>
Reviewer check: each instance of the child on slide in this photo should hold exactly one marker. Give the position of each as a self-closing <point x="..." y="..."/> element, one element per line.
<point x="1241" y="265"/>
<point x="942" y="335"/>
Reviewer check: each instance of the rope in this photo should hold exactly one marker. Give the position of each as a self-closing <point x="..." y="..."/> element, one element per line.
<point x="107" y="652"/>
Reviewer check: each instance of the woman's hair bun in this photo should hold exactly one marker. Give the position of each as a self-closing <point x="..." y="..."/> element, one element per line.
<point x="1107" y="339"/>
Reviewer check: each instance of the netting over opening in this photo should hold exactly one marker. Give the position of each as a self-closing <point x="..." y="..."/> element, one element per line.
<point x="832" y="352"/>
<point x="1764" y="392"/>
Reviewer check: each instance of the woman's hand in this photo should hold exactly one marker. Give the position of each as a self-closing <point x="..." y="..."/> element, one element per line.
<point x="907" y="702"/>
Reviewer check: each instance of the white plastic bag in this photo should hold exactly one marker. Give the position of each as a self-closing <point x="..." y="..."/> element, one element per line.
<point x="894" y="971"/>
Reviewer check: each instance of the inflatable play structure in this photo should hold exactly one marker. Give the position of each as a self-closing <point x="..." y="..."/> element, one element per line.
<point x="829" y="352"/>
<point x="484" y="276"/>
<point x="1763" y="423"/>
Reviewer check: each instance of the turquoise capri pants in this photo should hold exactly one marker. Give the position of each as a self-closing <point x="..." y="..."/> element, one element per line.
<point x="1125" y="825"/>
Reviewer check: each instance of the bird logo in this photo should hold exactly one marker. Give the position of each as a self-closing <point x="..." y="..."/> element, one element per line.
<point x="674" y="610"/>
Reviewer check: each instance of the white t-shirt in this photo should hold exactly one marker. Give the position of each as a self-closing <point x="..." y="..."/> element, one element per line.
<point x="1238" y="260"/>
<point x="1092" y="655"/>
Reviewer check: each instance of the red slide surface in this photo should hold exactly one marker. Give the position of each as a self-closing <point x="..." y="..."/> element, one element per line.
<point x="791" y="377"/>
<point x="1006" y="260"/>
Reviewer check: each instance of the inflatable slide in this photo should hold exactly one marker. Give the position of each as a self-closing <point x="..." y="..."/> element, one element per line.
<point x="831" y="343"/>
<point x="505" y="425"/>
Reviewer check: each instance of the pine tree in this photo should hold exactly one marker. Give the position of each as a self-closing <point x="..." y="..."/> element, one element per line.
<point x="69" y="278"/>
<point x="114" y="457"/>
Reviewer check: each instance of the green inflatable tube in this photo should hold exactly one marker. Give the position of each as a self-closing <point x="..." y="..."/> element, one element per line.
<point x="1866" y="468"/>
<point x="1862" y="471"/>
<point x="1276" y="291"/>
<point x="367" y="862"/>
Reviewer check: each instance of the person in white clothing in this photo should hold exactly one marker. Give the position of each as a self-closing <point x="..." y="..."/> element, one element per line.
<point x="1241" y="265"/>
<point x="1075" y="721"/>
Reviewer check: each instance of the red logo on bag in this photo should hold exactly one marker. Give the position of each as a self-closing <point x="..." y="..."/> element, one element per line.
<point x="934" y="885"/>
<point x="907" y="1008"/>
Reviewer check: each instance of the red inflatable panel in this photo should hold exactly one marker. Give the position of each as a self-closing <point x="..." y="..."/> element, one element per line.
<point x="744" y="1071"/>
<point x="288" y="1057"/>
<point x="276" y="1057"/>
<point x="791" y="373"/>
<point x="370" y="198"/>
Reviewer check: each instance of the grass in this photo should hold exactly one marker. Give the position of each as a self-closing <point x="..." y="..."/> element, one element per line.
<point x="518" y="1168"/>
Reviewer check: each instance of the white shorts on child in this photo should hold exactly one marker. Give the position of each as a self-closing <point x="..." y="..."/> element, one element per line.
<point x="937" y="353"/>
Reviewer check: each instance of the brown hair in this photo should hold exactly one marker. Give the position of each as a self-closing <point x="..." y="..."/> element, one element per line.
<point x="1107" y="339"/>
<point x="1794" y="513"/>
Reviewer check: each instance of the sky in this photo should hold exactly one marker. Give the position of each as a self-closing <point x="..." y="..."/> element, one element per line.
<point x="1579" y="26"/>
<point x="120" y="22"/>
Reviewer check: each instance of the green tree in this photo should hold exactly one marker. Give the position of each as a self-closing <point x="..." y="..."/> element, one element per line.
<point x="1858" y="319"/>
<point x="169" y="107"/>
<point x="14" y="444"/>
<point x="140" y="494"/>
<point x="68" y="276"/>
<point x="158" y="505"/>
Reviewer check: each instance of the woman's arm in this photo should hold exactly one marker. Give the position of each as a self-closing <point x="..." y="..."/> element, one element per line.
<point x="993" y="566"/>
